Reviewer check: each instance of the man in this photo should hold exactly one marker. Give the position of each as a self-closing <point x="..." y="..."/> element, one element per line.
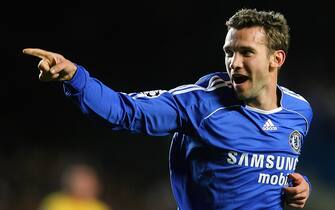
<point x="237" y="135"/>
<point x="80" y="189"/>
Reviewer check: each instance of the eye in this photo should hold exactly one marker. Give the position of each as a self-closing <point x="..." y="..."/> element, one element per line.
<point x="228" y="52"/>
<point x="247" y="52"/>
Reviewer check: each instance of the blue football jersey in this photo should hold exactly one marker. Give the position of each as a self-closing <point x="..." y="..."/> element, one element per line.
<point x="224" y="154"/>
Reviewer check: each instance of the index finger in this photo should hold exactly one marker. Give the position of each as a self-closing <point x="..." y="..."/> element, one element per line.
<point x="296" y="178"/>
<point x="38" y="53"/>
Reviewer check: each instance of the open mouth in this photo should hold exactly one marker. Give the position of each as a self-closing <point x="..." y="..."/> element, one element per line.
<point x="239" y="78"/>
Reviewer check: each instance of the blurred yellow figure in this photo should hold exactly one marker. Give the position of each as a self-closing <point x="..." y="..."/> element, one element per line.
<point x="80" y="191"/>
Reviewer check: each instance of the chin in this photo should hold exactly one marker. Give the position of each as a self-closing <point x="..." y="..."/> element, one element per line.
<point x="242" y="96"/>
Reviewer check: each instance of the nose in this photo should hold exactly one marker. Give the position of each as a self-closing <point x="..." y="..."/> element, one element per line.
<point x="235" y="62"/>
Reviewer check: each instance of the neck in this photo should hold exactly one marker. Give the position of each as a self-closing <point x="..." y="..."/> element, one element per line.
<point x="267" y="99"/>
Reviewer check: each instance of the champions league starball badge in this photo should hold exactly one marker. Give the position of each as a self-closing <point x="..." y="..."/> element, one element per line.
<point x="152" y="93"/>
<point x="295" y="141"/>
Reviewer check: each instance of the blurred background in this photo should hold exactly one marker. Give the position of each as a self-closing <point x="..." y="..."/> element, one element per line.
<point x="135" y="46"/>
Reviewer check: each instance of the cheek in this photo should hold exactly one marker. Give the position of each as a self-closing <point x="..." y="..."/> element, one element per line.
<point x="227" y="63"/>
<point x="259" y="69"/>
<point x="228" y="69"/>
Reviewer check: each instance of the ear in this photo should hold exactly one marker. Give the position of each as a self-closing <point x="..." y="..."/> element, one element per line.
<point x="277" y="59"/>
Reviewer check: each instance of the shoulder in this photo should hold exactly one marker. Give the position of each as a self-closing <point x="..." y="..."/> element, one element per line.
<point x="213" y="79"/>
<point x="294" y="102"/>
<point x="207" y="83"/>
<point x="102" y="206"/>
<point x="213" y="87"/>
<point x="56" y="196"/>
<point x="53" y="200"/>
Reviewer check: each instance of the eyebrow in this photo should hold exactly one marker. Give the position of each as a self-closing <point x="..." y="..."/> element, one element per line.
<point x="238" y="48"/>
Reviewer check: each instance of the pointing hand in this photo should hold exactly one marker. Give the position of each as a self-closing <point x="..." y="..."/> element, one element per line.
<point x="53" y="66"/>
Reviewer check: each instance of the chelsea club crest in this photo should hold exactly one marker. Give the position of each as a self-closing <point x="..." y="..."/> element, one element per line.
<point x="295" y="141"/>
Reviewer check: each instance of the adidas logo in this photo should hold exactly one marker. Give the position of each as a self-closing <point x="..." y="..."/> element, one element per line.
<point x="269" y="126"/>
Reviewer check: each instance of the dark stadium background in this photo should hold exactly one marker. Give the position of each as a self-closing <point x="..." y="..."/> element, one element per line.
<point x="136" y="46"/>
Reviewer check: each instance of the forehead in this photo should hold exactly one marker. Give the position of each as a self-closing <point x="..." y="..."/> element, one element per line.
<point x="251" y="36"/>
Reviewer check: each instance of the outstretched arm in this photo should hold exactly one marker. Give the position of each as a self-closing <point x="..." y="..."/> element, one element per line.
<point x="297" y="195"/>
<point x="153" y="115"/>
<point x="53" y="66"/>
